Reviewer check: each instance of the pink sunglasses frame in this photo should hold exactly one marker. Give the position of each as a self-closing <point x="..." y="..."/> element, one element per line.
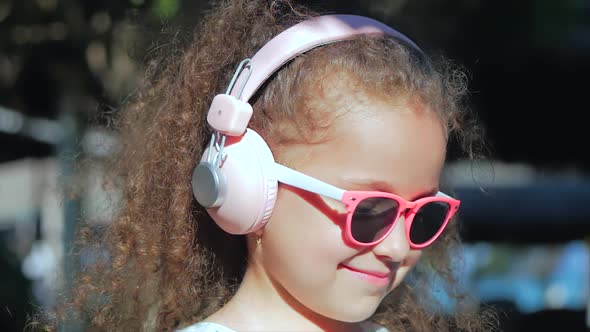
<point x="409" y="209"/>
<point x="351" y="200"/>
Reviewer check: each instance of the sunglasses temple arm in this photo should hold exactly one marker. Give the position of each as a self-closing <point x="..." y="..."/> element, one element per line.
<point x="299" y="180"/>
<point x="441" y="194"/>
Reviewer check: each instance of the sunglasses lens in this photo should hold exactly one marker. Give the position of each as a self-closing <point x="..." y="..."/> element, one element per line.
<point x="428" y="221"/>
<point x="372" y="217"/>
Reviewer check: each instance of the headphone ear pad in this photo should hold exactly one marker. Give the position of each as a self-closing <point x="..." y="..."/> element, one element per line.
<point x="250" y="184"/>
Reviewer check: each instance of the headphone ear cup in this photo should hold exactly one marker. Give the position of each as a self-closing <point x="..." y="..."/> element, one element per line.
<point x="249" y="186"/>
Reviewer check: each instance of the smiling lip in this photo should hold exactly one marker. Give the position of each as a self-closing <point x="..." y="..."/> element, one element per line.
<point x="373" y="276"/>
<point x="371" y="273"/>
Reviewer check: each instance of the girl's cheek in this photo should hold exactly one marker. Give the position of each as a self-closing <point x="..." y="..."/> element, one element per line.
<point x="413" y="258"/>
<point x="407" y="265"/>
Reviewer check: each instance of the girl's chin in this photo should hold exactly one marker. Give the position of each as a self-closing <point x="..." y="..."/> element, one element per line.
<point x="357" y="315"/>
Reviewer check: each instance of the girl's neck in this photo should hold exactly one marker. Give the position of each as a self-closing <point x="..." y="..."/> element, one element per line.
<point x="262" y="305"/>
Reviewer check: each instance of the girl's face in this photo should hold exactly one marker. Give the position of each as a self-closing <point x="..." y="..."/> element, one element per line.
<point x="372" y="146"/>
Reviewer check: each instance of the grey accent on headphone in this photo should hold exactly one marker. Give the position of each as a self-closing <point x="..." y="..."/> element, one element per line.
<point x="245" y="63"/>
<point x="208" y="185"/>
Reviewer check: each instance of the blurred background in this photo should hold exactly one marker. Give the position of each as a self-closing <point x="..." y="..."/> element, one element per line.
<point x="65" y="64"/>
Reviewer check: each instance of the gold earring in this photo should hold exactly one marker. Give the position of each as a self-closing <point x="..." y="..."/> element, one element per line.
<point x="258" y="240"/>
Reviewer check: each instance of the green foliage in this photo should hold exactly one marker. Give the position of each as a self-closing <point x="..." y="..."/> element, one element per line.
<point x="165" y="8"/>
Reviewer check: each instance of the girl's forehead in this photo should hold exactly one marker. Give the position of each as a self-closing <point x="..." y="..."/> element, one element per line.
<point x="382" y="143"/>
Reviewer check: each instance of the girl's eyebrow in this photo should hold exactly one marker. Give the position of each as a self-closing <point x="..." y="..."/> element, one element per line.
<point x="383" y="186"/>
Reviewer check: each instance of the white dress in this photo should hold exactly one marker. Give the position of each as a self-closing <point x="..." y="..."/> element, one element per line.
<point x="206" y="327"/>
<point x="214" y="327"/>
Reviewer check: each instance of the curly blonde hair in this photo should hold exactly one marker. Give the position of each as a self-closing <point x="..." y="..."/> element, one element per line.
<point x="168" y="265"/>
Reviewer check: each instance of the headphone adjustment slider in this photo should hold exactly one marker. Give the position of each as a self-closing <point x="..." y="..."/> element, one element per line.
<point x="228" y="115"/>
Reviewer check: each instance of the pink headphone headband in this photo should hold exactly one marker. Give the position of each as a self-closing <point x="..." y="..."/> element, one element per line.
<point x="238" y="182"/>
<point x="303" y="37"/>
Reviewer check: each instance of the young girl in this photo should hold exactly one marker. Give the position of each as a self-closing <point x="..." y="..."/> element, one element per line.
<point x="282" y="173"/>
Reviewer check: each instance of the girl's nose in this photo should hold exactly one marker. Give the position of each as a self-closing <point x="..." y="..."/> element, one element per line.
<point x="395" y="246"/>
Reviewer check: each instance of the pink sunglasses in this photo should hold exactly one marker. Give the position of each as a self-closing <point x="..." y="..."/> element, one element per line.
<point x="372" y="215"/>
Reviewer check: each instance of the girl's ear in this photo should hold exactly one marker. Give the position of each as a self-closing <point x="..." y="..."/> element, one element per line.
<point x="254" y="242"/>
<point x="258" y="238"/>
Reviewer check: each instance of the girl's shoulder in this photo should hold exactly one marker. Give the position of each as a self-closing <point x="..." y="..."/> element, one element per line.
<point x="206" y="327"/>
